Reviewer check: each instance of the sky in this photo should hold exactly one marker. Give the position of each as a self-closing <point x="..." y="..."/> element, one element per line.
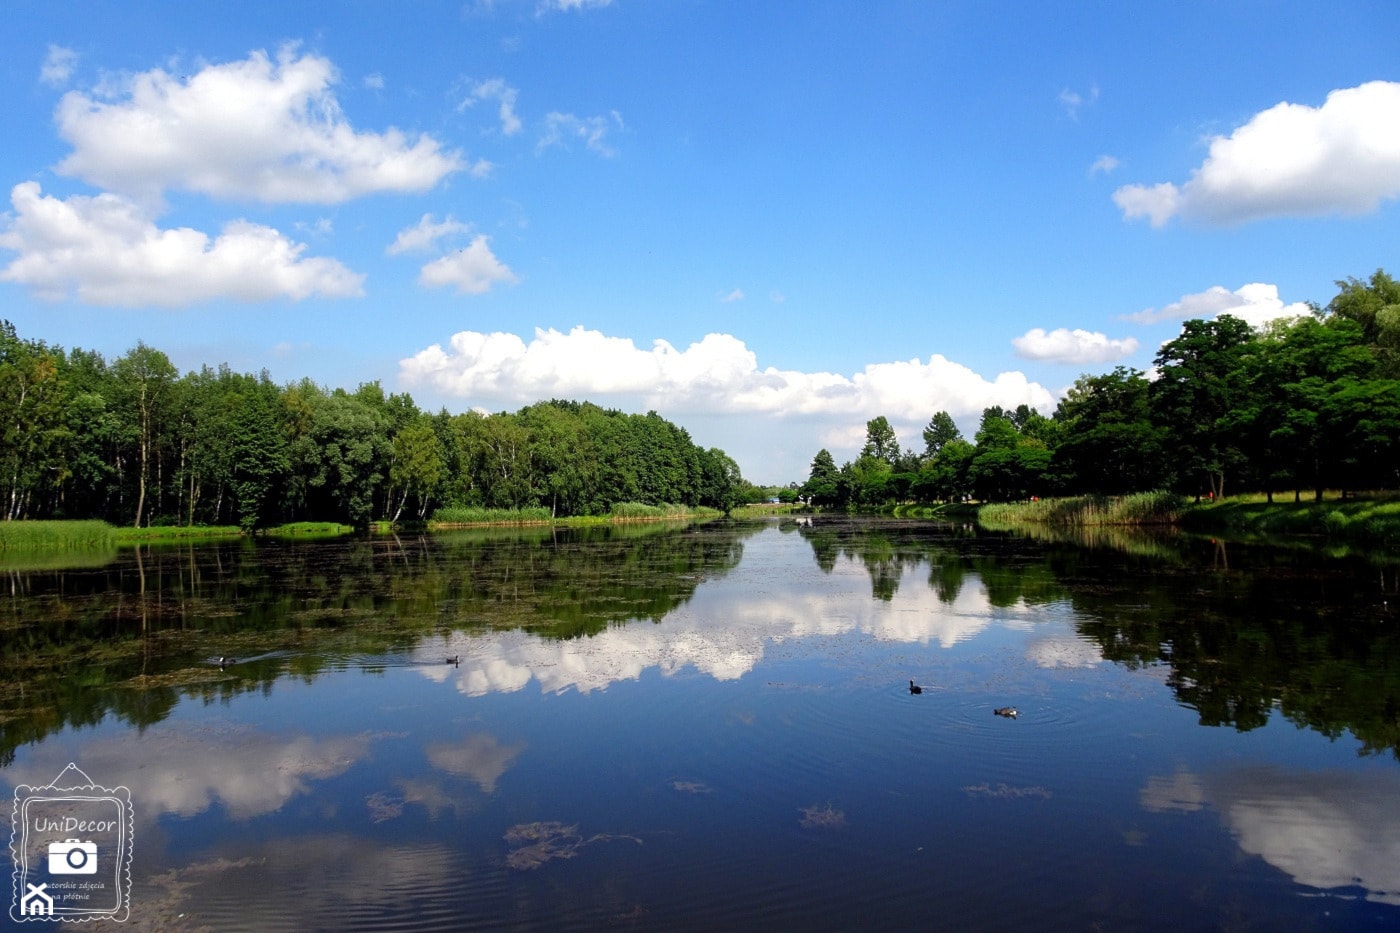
<point x="770" y="222"/>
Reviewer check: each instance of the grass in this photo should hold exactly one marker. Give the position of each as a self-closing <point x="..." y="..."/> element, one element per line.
<point x="1143" y="508"/>
<point x="471" y="515"/>
<point x="1374" y="520"/>
<point x="57" y="536"/>
<point x="637" y="510"/>
<point x="158" y="533"/>
<point x="308" y="530"/>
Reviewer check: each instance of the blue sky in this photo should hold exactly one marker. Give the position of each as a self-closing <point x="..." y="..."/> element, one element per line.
<point x="770" y="222"/>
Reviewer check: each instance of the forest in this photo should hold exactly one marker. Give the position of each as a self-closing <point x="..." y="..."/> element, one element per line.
<point x="133" y="442"/>
<point x="1307" y="404"/>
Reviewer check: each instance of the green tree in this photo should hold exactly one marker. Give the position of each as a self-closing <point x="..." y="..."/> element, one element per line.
<point x="1108" y="443"/>
<point x="144" y="380"/>
<point x="940" y="431"/>
<point x="823" y="486"/>
<point x="880" y="441"/>
<point x="1203" y="398"/>
<point x="418" y="465"/>
<point x="1375" y="305"/>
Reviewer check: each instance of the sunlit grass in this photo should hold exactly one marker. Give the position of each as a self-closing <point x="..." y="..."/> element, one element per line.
<point x="57" y="536"/>
<point x="1143" y="508"/>
<point x="471" y="515"/>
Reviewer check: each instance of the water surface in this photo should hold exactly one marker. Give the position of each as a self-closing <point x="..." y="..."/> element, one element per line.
<point x="710" y="727"/>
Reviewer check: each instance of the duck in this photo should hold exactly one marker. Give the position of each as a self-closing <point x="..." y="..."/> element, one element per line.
<point x="455" y="660"/>
<point x="1008" y="711"/>
<point x="223" y="661"/>
<point x="915" y="688"/>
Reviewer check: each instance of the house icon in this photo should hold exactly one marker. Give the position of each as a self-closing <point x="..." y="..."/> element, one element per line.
<point x="36" y="903"/>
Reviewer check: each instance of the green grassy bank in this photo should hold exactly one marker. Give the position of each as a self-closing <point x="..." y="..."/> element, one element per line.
<point x="57" y="536"/>
<point x="1143" y="509"/>
<point x="1368" y="520"/>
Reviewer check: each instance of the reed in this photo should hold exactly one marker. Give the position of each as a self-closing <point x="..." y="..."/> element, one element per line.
<point x="470" y="515"/>
<point x="1143" y="508"/>
<point x="57" y="536"/>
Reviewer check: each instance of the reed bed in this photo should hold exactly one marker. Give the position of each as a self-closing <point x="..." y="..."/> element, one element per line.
<point x="479" y="516"/>
<point x="1141" y="509"/>
<point x="57" y="536"/>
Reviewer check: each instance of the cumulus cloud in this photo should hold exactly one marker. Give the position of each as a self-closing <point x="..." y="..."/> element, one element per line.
<point x="58" y="65"/>
<point x="1256" y="303"/>
<point x="257" y="128"/>
<point x="561" y="129"/>
<point x="425" y="235"/>
<point x="1062" y="345"/>
<point x="472" y="270"/>
<point x="1327" y="830"/>
<point x="1292" y="159"/>
<point x="503" y="94"/>
<point x="106" y="250"/>
<point x="717" y="374"/>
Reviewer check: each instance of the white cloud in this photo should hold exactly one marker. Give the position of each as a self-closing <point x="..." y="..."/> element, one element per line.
<point x="717" y="375"/>
<point x="105" y="250"/>
<point x="1256" y="303"/>
<point x="471" y="270"/>
<point x="374" y="81"/>
<point x="562" y="128"/>
<point x="1292" y="159"/>
<point x="254" y="128"/>
<point x="1072" y="346"/>
<point x="425" y="235"/>
<point x="566" y="5"/>
<point x="728" y="297"/>
<point x="776" y="296"/>
<point x="1158" y="203"/>
<point x="58" y="65"/>
<point x="1072" y="101"/>
<point x="1103" y="165"/>
<point x="503" y="94"/>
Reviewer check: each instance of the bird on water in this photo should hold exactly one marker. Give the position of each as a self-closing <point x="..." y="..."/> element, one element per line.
<point x="455" y="660"/>
<point x="1008" y="711"/>
<point x="915" y="688"/>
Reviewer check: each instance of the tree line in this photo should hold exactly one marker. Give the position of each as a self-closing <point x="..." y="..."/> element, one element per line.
<point x="134" y="442"/>
<point x="1310" y="403"/>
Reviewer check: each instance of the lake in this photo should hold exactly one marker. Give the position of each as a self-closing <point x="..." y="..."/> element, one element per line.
<point x="711" y="727"/>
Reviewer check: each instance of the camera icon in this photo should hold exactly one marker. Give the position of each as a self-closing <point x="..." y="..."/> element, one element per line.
<point x="72" y="857"/>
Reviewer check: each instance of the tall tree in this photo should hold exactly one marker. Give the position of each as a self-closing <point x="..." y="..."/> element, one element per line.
<point x="144" y="380"/>
<point x="1203" y="397"/>
<point x="940" y="431"/>
<point x="880" y="441"/>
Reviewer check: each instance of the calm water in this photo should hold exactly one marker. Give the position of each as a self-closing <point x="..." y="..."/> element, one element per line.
<point x="711" y="728"/>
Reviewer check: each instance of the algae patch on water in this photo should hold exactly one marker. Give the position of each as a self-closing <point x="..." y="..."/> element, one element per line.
<point x="534" y="844"/>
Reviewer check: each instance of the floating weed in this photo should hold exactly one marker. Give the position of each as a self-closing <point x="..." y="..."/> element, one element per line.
<point x="819" y="817"/>
<point x="538" y="843"/>
<point x="383" y="807"/>
<point x="1006" y="792"/>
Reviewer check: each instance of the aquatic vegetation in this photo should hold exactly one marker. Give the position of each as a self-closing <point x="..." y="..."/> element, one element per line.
<point x="56" y="536"/>
<point x="537" y="843"/>
<point x="465" y="515"/>
<point x="1006" y="792"/>
<point x="819" y="817"/>
<point x="1143" y="508"/>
